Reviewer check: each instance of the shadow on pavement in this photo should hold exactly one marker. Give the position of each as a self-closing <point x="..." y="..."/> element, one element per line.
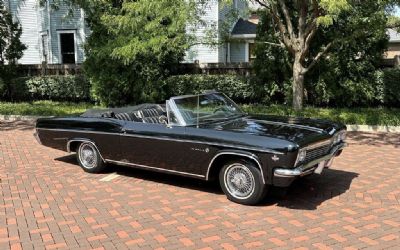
<point x="374" y="139"/>
<point x="310" y="192"/>
<point x="16" y="125"/>
<point x="304" y="194"/>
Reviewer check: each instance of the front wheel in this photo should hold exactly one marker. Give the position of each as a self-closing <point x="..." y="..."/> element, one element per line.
<point x="242" y="182"/>
<point x="89" y="158"/>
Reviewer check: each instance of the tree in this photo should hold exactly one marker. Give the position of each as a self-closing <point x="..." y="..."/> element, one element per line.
<point x="11" y="49"/>
<point x="345" y="76"/>
<point x="297" y="23"/>
<point x="133" y="46"/>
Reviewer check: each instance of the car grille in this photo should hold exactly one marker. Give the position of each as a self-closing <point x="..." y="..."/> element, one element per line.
<point x="317" y="152"/>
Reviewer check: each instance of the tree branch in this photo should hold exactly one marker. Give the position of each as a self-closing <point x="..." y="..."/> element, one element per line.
<point x="302" y="18"/>
<point x="318" y="57"/>
<point x="275" y="44"/>
<point x="286" y="14"/>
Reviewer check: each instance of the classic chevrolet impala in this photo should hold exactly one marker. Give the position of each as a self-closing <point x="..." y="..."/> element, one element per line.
<point x="204" y="136"/>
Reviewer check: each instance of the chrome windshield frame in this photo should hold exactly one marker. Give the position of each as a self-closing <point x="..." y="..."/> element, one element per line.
<point x="171" y="107"/>
<point x="174" y="108"/>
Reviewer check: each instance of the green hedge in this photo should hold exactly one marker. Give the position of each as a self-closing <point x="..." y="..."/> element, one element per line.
<point x="56" y="88"/>
<point x="238" y="88"/>
<point x="388" y="81"/>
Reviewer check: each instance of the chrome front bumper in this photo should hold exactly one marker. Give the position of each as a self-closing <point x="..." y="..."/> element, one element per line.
<point x="310" y="167"/>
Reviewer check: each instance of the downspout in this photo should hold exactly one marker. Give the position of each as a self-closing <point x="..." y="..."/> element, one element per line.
<point x="49" y="39"/>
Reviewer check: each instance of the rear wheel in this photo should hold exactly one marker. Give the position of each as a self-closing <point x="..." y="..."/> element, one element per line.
<point x="242" y="182"/>
<point x="89" y="158"/>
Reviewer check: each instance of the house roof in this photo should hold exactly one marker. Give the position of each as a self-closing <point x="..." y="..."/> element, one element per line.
<point x="394" y="36"/>
<point x="244" y="27"/>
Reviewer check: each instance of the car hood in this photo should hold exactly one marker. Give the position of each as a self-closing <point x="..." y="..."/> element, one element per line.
<point x="298" y="130"/>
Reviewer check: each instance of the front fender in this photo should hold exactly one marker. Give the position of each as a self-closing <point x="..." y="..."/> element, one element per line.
<point x="239" y="153"/>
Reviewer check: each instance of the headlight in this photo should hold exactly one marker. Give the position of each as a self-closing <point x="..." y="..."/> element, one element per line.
<point x="339" y="137"/>
<point x="302" y="155"/>
<point x="343" y="136"/>
<point x="336" y="139"/>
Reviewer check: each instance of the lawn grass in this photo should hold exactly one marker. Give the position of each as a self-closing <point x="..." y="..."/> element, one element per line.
<point x="43" y="108"/>
<point x="354" y="116"/>
<point x="359" y="116"/>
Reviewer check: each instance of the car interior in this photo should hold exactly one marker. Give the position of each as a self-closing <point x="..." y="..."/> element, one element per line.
<point x="147" y="113"/>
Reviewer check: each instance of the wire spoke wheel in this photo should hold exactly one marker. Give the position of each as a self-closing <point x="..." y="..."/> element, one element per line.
<point x="239" y="181"/>
<point x="88" y="156"/>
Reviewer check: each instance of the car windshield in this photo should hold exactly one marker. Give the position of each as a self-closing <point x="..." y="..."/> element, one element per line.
<point x="205" y="108"/>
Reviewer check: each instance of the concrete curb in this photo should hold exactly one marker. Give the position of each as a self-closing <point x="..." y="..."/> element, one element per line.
<point x="13" y="118"/>
<point x="373" y="129"/>
<point x="350" y="128"/>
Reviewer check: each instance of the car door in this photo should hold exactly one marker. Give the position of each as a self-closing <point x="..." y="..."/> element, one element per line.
<point x="160" y="147"/>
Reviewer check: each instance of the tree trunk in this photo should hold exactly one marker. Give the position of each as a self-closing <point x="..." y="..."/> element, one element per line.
<point x="298" y="84"/>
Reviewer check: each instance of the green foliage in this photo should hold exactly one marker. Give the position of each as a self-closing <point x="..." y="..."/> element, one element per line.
<point x="271" y="65"/>
<point x="44" y="108"/>
<point x="11" y="49"/>
<point x="360" y="116"/>
<point x="133" y="46"/>
<point x="237" y="88"/>
<point x="357" y="116"/>
<point x="388" y="86"/>
<point x="57" y="88"/>
<point x="346" y="76"/>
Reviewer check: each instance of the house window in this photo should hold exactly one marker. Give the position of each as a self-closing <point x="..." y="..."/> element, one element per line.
<point x="252" y="52"/>
<point x="67" y="47"/>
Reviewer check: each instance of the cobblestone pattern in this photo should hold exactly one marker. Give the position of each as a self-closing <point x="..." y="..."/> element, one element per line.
<point x="48" y="202"/>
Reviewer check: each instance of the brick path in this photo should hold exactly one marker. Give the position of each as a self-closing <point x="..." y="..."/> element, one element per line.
<point x="48" y="202"/>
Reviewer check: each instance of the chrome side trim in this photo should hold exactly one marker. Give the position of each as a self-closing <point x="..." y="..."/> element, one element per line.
<point x="83" y="140"/>
<point x="78" y="131"/>
<point x="154" y="168"/>
<point x="176" y="140"/>
<point x="251" y="156"/>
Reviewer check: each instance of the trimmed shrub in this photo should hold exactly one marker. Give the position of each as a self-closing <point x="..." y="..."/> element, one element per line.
<point x="388" y="81"/>
<point x="237" y="88"/>
<point x="56" y="88"/>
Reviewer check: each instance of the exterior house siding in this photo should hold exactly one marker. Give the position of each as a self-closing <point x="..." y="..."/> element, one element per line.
<point x="26" y="13"/>
<point x="42" y="26"/>
<point x="37" y="21"/>
<point x="62" y="21"/>
<point x="216" y="14"/>
<point x="203" y="52"/>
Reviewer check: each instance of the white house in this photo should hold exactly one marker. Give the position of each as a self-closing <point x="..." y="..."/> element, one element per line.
<point x="216" y="15"/>
<point x="57" y="36"/>
<point x="52" y="36"/>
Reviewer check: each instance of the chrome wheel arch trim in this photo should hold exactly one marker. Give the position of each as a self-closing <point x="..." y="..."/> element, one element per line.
<point x="84" y="140"/>
<point x="241" y="154"/>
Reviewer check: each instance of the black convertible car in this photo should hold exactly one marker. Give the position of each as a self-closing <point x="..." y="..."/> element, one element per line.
<point x="203" y="136"/>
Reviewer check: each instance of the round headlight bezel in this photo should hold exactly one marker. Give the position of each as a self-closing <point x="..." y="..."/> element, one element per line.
<point x="301" y="156"/>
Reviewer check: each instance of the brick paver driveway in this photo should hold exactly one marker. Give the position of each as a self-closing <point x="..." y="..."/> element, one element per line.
<point x="47" y="201"/>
